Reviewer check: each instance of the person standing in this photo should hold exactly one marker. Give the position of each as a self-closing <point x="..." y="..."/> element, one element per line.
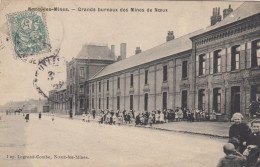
<point x="83" y="117"/>
<point x="52" y="116"/>
<point x="94" y="113"/>
<point x="27" y="117"/>
<point x="40" y="116"/>
<point x="71" y="115"/>
<point x="239" y="130"/>
<point x="161" y="118"/>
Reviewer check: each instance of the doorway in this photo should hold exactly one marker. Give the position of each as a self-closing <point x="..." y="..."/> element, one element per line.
<point x="235" y="99"/>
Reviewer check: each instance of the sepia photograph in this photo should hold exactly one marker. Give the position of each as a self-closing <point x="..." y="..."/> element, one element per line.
<point x="124" y="83"/>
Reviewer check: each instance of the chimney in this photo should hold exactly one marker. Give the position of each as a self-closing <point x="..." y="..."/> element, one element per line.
<point x="123" y="51"/>
<point x="216" y="16"/>
<point x="170" y="36"/>
<point x="138" y="50"/>
<point x="226" y="12"/>
<point x="113" y="49"/>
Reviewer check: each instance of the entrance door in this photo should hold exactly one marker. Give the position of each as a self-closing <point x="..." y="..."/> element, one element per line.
<point x="235" y="99"/>
<point x="70" y="104"/>
<point x="164" y="100"/>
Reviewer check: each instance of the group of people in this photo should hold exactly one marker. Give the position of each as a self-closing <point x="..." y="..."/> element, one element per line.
<point x="184" y="114"/>
<point x="243" y="147"/>
<point x="146" y="118"/>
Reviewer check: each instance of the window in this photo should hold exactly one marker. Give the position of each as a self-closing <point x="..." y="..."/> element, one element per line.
<point x="93" y="103"/>
<point x="131" y="102"/>
<point x="217" y="61"/>
<point x="99" y="86"/>
<point x="201" y="98"/>
<point x="70" y="73"/>
<point x="132" y="80"/>
<point x="87" y="88"/>
<point x="87" y="101"/>
<point x="93" y="88"/>
<point x="184" y="69"/>
<point x="217" y="100"/>
<point x="235" y="99"/>
<point x="118" y="102"/>
<point x="81" y="103"/>
<point x="118" y="83"/>
<point x="146" y="102"/>
<point x="164" y="100"/>
<point x="107" y="102"/>
<point x="81" y="72"/>
<point x="184" y="98"/>
<point x="146" y="77"/>
<point x="81" y="88"/>
<point x="165" y="73"/>
<point x="202" y="64"/>
<point x="256" y="53"/>
<point x="107" y="85"/>
<point x="70" y="89"/>
<point x="235" y="57"/>
<point x="99" y="103"/>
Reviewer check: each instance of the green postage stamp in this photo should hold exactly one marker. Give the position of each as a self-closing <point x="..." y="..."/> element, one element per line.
<point x="29" y="33"/>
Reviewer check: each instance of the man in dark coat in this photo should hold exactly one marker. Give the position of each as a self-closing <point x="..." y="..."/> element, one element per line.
<point x="40" y="116"/>
<point x="94" y="113"/>
<point x="71" y="115"/>
<point x="27" y="117"/>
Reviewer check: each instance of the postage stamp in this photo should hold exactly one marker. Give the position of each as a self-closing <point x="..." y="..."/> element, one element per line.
<point x="29" y="33"/>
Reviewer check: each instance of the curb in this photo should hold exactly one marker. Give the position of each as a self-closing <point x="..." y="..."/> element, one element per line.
<point x="179" y="131"/>
<point x="162" y="129"/>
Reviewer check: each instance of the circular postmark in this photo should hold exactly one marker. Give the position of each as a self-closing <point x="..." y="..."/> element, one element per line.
<point x="30" y="37"/>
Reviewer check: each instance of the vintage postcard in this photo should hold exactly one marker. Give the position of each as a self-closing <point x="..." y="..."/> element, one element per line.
<point x="129" y="83"/>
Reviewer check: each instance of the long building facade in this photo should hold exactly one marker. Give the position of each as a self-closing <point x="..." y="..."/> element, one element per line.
<point x="216" y="69"/>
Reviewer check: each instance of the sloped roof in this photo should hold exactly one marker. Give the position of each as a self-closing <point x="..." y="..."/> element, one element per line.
<point x="172" y="47"/>
<point x="95" y="52"/>
<point x="178" y="45"/>
<point x="243" y="11"/>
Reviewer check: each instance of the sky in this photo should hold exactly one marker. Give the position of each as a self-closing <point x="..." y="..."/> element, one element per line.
<point x="69" y="30"/>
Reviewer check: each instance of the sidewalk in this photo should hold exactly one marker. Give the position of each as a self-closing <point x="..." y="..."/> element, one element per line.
<point x="213" y="129"/>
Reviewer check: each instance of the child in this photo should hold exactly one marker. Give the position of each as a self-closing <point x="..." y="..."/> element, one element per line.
<point x="157" y="117"/>
<point x="99" y="118"/>
<point x="114" y="119"/>
<point x="88" y="117"/>
<point x="150" y="119"/>
<point x="161" y="118"/>
<point x="27" y="117"/>
<point x="120" y="119"/>
<point x="83" y="116"/>
<point x="232" y="158"/>
<point x="52" y="116"/>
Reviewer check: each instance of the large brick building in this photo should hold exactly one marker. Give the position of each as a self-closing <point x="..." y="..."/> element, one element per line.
<point x="89" y="61"/>
<point x="215" y="69"/>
